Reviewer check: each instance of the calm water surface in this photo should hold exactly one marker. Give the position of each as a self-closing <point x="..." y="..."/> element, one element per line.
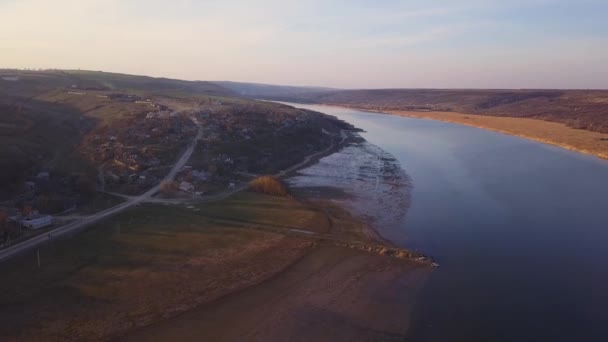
<point x="520" y="230"/>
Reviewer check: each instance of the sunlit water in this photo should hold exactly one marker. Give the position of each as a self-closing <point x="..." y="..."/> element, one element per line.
<point x="519" y="228"/>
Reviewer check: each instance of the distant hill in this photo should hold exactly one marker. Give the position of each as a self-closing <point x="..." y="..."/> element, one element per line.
<point x="584" y="109"/>
<point x="258" y="90"/>
<point x="33" y="83"/>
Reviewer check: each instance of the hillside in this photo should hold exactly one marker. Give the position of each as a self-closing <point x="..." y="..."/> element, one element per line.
<point x="122" y="133"/>
<point x="585" y="109"/>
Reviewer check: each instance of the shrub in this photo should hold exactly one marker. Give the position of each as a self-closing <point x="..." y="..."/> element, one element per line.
<point x="269" y="185"/>
<point x="168" y="187"/>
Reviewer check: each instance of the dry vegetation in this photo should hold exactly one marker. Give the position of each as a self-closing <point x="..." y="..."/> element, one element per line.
<point x="268" y="185"/>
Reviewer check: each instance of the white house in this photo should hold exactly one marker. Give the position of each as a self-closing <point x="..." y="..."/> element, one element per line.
<point x="186" y="186"/>
<point x="38" y="222"/>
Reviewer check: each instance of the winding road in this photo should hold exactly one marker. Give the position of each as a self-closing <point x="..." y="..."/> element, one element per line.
<point x="82" y="223"/>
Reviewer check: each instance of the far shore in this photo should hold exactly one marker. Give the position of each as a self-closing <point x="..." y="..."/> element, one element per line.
<point x="552" y="133"/>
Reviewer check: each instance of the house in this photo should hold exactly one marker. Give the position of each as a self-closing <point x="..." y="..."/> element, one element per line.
<point x="186" y="186"/>
<point x="200" y="175"/>
<point x="37" y="221"/>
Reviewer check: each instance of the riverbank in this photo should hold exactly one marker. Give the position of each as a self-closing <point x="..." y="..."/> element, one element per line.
<point x="552" y="133"/>
<point x="155" y="264"/>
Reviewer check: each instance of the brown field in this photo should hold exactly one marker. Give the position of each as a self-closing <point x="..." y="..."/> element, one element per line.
<point x="584" y="141"/>
<point x="141" y="272"/>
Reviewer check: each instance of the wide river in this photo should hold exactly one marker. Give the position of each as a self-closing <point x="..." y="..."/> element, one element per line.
<point x="519" y="228"/>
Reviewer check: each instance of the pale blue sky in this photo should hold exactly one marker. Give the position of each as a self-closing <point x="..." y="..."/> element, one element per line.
<point x="352" y="44"/>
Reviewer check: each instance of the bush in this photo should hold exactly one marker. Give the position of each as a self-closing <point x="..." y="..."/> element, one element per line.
<point x="269" y="185"/>
<point x="168" y="187"/>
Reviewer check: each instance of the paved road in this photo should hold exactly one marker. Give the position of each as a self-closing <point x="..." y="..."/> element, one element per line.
<point x="86" y="221"/>
<point x="145" y="197"/>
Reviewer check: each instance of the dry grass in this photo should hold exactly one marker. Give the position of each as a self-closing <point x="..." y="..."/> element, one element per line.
<point x="593" y="143"/>
<point x="145" y="265"/>
<point x="268" y="185"/>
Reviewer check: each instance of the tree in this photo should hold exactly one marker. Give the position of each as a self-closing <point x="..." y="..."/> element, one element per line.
<point x="269" y="185"/>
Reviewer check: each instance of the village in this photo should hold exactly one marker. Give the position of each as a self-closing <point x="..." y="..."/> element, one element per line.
<point x="235" y="141"/>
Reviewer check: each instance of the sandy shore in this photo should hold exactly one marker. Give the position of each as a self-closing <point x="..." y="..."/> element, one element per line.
<point x="579" y="140"/>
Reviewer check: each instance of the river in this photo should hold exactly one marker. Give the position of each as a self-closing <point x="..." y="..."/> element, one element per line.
<point x="519" y="228"/>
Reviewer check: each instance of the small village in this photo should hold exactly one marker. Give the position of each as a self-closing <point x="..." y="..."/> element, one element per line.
<point x="235" y="142"/>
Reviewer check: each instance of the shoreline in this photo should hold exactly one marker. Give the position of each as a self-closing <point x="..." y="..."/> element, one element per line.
<point x="345" y="260"/>
<point x="327" y="278"/>
<point x="526" y="128"/>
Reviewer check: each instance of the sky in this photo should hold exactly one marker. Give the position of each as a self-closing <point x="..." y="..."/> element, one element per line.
<point x="344" y="44"/>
